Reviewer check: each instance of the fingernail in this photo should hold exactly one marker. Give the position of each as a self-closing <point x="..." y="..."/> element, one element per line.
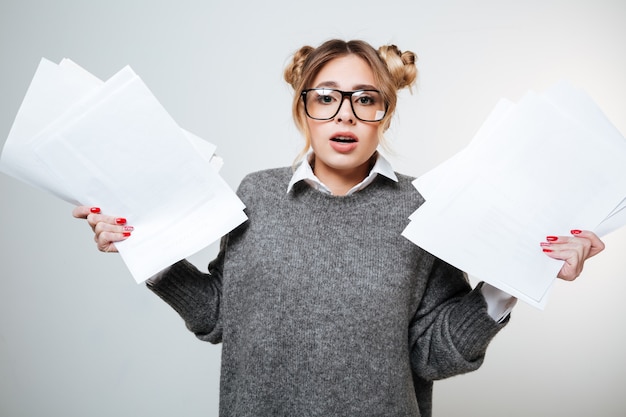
<point x="95" y="209"/>
<point x="120" y="220"/>
<point x="128" y="228"/>
<point x="552" y="238"/>
<point x="576" y="231"/>
<point x="545" y="244"/>
<point x="126" y="234"/>
<point x="547" y="250"/>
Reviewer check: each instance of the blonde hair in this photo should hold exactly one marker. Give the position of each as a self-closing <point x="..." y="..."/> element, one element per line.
<point x="393" y="70"/>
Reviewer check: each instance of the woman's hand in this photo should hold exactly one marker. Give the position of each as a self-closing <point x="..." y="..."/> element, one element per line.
<point x="107" y="229"/>
<point x="574" y="250"/>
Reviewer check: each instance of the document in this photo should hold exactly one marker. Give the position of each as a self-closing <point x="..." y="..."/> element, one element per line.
<point x="112" y="145"/>
<point x="550" y="163"/>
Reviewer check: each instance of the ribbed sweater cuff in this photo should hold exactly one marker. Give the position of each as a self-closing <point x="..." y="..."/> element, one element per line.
<point x="473" y="327"/>
<point x="177" y="287"/>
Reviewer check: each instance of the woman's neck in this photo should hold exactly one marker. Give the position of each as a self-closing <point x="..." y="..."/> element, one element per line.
<point x="340" y="181"/>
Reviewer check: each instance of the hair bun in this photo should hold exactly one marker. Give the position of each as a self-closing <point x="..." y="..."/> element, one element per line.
<point x="401" y="65"/>
<point x="293" y="71"/>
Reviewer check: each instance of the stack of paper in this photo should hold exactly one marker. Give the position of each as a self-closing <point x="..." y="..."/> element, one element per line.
<point x="550" y="163"/>
<point x="112" y="145"/>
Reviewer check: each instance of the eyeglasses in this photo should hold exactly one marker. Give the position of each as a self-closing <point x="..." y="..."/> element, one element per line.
<point x="324" y="103"/>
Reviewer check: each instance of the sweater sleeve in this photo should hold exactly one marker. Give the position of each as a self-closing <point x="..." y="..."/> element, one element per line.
<point x="451" y="330"/>
<point x="194" y="295"/>
<point x="197" y="296"/>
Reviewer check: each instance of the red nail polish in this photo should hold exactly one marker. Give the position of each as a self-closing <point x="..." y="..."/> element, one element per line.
<point x="120" y="220"/>
<point x="552" y="238"/>
<point x="547" y="250"/>
<point x="126" y="234"/>
<point x="576" y="232"/>
<point x="95" y="209"/>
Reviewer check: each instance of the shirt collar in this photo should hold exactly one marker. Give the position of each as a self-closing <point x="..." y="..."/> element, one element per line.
<point x="304" y="172"/>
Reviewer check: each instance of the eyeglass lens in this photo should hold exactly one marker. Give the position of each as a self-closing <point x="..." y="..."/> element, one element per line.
<point x="324" y="104"/>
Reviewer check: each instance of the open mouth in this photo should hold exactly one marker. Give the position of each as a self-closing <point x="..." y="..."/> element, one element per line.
<point x="343" y="139"/>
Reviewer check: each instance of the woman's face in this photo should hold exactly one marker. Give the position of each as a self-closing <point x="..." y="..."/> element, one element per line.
<point x="344" y="145"/>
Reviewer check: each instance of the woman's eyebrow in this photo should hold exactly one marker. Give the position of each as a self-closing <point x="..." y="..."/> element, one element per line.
<point x="333" y="84"/>
<point x="330" y="84"/>
<point x="364" y="87"/>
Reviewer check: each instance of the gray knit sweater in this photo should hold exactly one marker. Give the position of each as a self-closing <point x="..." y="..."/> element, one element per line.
<point x="324" y="309"/>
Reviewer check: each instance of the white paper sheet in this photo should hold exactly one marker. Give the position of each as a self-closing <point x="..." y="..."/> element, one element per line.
<point x="53" y="89"/>
<point x="545" y="165"/>
<point x="112" y="145"/>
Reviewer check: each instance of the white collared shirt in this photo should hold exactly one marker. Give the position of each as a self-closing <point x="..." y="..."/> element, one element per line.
<point x="304" y="172"/>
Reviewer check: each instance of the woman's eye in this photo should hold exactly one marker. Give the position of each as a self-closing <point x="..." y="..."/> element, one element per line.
<point x="365" y="100"/>
<point x="325" y="99"/>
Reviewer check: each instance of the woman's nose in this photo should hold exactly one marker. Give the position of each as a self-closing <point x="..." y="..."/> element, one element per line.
<point x="345" y="112"/>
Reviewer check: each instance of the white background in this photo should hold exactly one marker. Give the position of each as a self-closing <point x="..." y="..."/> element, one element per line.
<point x="79" y="338"/>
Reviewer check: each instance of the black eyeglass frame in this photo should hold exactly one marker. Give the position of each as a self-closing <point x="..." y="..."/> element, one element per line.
<point x="344" y="94"/>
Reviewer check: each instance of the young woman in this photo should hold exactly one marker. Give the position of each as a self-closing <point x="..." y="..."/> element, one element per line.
<point x="323" y="308"/>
